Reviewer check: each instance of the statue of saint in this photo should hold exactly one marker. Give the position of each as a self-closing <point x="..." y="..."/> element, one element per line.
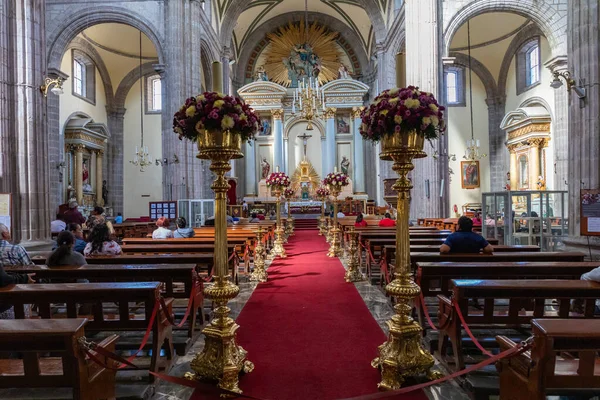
<point x="261" y="74"/>
<point x="104" y="192"/>
<point x="541" y="183"/>
<point x="507" y="186"/>
<point x="70" y="193"/>
<point x="86" y="174"/>
<point x="345" y="164"/>
<point x="266" y="168"/>
<point x="343" y="72"/>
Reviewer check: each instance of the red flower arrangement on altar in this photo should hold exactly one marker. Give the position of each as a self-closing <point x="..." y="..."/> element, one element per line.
<point x="403" y="110"/>
<point x="278" y="179"/>
<point x="336" y="179"/>
<point x="289" y="193"/>
<point x="322" y="192"/>
<point x="215" y="111"/>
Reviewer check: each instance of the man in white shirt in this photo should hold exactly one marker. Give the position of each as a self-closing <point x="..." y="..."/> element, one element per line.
<point x="58" y="225"/>
<point x="340" y="214"/>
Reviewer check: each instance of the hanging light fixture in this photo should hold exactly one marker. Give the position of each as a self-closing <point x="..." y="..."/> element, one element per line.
<point x="308" y="96"/>
<point x="473" y="151"/>
<point x="141" y="156"/>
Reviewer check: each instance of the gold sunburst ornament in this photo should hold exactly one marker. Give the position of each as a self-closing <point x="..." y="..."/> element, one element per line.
<point x="297" y="51"/>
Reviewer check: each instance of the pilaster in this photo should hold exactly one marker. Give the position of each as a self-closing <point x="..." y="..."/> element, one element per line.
<point x="115" y="158"/>
<point x="250" y="170"/>
<point x="330" y="160"/>
<point x="359" y="154"/>
<point x="560" y="127"/>
<point x="277" y="115"/>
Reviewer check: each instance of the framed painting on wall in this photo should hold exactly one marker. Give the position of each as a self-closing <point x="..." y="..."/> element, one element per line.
<point x="342" y="122"/>
<point x="469" y="174"/>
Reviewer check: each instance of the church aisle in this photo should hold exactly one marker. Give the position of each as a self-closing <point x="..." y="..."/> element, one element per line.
<point x="309" y="333"/>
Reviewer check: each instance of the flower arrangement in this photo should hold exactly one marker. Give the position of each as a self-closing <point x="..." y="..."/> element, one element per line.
<point x="289" y="193"/>
<point x="336" y="179"/>
<point x="215" y="111"/>
<point x="322" y="192"/>
<point x="403" y="110"/>
<point x="278" y="179"/>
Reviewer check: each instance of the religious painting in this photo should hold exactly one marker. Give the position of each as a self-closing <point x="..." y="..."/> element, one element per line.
<point x="342" y="123"/>
<point x="265" y="128"/>
<point x="469" y="174"/>
<point x="235" y="211"/>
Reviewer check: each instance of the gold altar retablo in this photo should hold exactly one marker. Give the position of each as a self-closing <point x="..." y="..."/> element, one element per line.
<point x="403" y="355"/>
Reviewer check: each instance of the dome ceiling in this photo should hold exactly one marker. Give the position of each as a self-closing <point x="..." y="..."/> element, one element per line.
<point x="488" y="28"/>
<point x="120" y="39"/>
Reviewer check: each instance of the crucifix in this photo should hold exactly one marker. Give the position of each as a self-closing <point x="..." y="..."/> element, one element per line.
<point x="304" y="138"/>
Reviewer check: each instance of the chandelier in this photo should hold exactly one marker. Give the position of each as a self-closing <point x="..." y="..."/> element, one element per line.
<point x="141" y="157"/>
<point x="472" y="152"/>
<point x="310" y="100"/>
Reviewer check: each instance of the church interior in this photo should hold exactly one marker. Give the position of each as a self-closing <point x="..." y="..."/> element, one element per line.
<point x="299" y="199"/>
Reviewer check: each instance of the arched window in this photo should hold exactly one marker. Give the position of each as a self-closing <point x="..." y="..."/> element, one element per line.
<point x="454" y="80"/>
<point x="153" y="94"/>
<point x="84" y="77"/>
<point x="528" y="65"/>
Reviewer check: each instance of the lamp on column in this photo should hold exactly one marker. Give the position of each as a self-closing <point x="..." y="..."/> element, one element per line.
<point x="472" y="152"/>
<point x="166" y="161"/>
<point x="56" y="84"/>
<point x="571" y="84"/>
<point x="141" y="157"/>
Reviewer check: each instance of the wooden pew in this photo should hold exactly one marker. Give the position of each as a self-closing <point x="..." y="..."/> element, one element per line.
<point x="434" y="278"/>
<point x="170" y="275"/>
<point x="68" y="367"/>
<point x="519" y="294"/>
<point x="544" y="370"/>
<point x="72" y="294"/>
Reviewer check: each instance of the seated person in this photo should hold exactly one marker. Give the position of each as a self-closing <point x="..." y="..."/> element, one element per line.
<point x="477" y="219"/>
<point x="254" y="218"/>
<point x="210" y="221"/>
<point x="6" y="310"/>
<point x="489" y="221"/>
<point x="273" y="217"/>
<point x="119" y="219"/>
<point x="387" y="221"/>
<point x="77" y="231"/>
<point x="577" y="305"/>
<point x="464" y="240"/>
<point x="162" y="231"/>
<point x="73" y="215"/>
<point x="96" y="212"/>
<point x="182" y="230"/>
<point x="11" y="254"/>
<point x="100" y="243"/>
<point x="261" y="217"/>
<point x="64" y="254"/>
<point x="360" y="221"/>
<point x="229" y="219"/>
<point x="59" y="224"/>
<point x="340" y="214"/>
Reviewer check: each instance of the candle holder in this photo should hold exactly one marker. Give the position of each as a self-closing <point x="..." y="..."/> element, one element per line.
<point x="221" y="359"/>
<point x="335" y="250"/>
<point x="259" y="274"/>
<point x="278" y="250"/>
<point x="328" y="233"/>
<point x="289" y="226"/>
<point x="322" y="193"/>
<point x="353" y="274"/>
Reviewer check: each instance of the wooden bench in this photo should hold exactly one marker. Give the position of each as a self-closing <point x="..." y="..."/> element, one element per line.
<point x="142" y="294"/>
<point x="521" y="293"/>
<point x="182" y="276"/>
<point x="546" y="369"/>
<point x="434" y="278"/>
<point x="68" y="367"/>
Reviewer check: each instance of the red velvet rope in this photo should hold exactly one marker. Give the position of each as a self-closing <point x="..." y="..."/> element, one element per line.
<point x="187" y="311"/>
<point x="462" y="321"/>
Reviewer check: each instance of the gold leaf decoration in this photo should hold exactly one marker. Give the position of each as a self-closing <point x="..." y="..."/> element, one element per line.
<point x="286" y="40"/>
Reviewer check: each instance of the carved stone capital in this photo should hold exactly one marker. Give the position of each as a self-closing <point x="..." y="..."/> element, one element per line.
<point x="538" y="142"/>
<point x="99" y="153"/>
<point x="330" y="112"/>
<point x="356" y="111"/>
<point x="78" y="148"/>
<point x="557" y="64"/>
<point x="161" y="69"/>
<point x="512" y="147"/>
<point x="277" y="113"/>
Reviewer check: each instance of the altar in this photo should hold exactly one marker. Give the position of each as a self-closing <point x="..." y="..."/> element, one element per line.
<point x="306" y="207"/>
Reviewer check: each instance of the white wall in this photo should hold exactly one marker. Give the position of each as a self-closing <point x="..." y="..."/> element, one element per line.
<point x="136" y="183"/>
<point x="459" y="130"/>
<point x="313" y="148"/>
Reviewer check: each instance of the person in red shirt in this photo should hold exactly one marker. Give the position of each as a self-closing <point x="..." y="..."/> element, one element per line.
<point x="360" y="222"/>
<point x="387" y="221"/>
<point x="72" y="215"/>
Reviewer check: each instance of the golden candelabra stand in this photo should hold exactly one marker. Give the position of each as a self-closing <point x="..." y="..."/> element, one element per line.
<point x="402" y="355"/>
<point x="289" y="226"/>
<point x="328" y="227"/>
<point x="310" y="100"/>
<point x="353" y="273"/>
<point x="335" y="250"/>
<point x="322" y="224"/>
<point x="259" y="274"/>
<point x="221" y="359"/>
<point x="278" y="249"/>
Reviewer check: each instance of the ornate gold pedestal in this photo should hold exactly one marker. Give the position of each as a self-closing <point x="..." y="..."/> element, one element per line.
<point x="328" y="235"/>
<point x="353" y="273"/>
<point x="402" y="354"/>
<point x="221" y="359"/>
<point x="259" y="274"/>
<point x="278" y="250"/>
<point x="335" y="249"/>
<point x="321" y="224"/>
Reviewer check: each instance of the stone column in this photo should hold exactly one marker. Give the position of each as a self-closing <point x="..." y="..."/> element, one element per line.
<point x="78" y="148"/>
<point x="330" y="159"/>
<point x="99" y="178"/>
<point x="115" y="158"/>
<point x="422" y="70"/>
<point x="24" y="165"/>
<point x="497" y="137"/>
<point x="514" y="168"/>
<point x="286" y="161"/>
<point x="250" y="170"/>
<point x="277" y="115"/>
<point x="359" y="154"/>
<point x="584" y="124"/>
<point x="225" y="58"/>
<point x="560" y="128"/>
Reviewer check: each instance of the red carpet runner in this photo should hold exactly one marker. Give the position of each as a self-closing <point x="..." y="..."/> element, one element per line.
<point x="309" y="334"/>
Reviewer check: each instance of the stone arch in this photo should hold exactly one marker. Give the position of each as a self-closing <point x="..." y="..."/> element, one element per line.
<point x="85" y="47"/>
<point x="259" y="34"/>
<point x="546" y="16"/>
<point x="297" y="120"/>
<point x="206" y="55"/>
<point x="480" y="70"/>
<point x="525" y="35"/>
<point x="72" y="25"/>
<point x="129" y="80"/>
<point x="536" y="100"/>
<point x="237" y="7"/>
